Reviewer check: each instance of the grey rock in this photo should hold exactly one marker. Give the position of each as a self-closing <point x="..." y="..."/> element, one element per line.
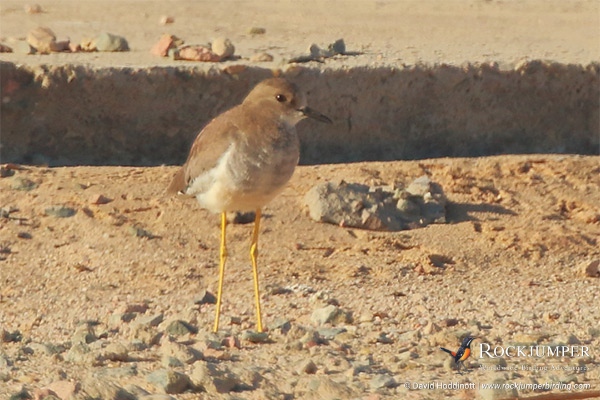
<point x="330" y="333"/>
<point x="214" y="378"/>
<point x="42" y="39"/>
<point x="255" y="337"/>
<point x="97" y="387"/>
<point x="172" y="382"/>
<point x="223" y="48"/>
<point x="180" y="328"/>
<point x="109" y="42"/>
<point x="281" y="324"/>
<point x="185" y="354"/>
<point x="116" y="372"/>
<point x="338" y="47"/>
<point x="59" y="211"/>
<point x="330" y="314"/>
<point x="171" y="362"/>
<point x="380" y="381"/>
<point x="84" y="334"/>
<point x="22" y="47"/>
<point x="205" y="297"/>
<point x="23" y="184"/>
<point x="377" y="208"/>
<point x="116" y="352"/>
<point x="8" y="337"/>
<point x="149" y="320"/>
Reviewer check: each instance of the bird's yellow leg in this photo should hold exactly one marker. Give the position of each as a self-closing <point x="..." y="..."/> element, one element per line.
<point x="223" y="257"/>
<point x="253" y="256"/>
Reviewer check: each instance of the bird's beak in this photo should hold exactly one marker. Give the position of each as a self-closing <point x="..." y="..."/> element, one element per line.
<point x="309" y="112"/>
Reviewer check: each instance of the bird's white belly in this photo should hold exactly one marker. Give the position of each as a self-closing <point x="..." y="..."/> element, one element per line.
<point x="238" y="186"/>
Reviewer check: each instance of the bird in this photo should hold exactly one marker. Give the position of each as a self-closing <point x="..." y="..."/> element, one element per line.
<point x="463" y="352"/>
<point x="242" y="159"/>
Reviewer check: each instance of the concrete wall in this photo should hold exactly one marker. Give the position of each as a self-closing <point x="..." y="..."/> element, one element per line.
<point x="64" y="115"/>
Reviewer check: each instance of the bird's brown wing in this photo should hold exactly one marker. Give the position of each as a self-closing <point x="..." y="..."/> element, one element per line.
<point x="208" y="147"/>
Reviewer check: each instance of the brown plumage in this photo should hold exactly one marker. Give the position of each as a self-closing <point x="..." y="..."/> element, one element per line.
<point x="244" y="157"/>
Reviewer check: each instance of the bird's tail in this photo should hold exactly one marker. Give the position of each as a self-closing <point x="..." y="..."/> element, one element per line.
<point x="447" y="351"/>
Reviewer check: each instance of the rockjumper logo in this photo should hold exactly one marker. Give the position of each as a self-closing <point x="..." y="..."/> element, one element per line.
<point x="533" y="351"/>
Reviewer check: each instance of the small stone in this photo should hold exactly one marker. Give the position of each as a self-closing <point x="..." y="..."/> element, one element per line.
<point x="42" y="39"/>
<point x="166" y="19"/>
<point x="591" y="269"/>
<point x="196" y="53"/>
<point x="255" y="30"/>
<point x="223" y="48"/>
<point x="141" y="232"/>
<point x="10" y="337"/>
<point x="261" y="57"/>
<point x="255" y="337"/>
<point x="330" y="314"/>
<point x="330" y="333"/>
<point x="180" y="351"/>
<point x="24" y="235"/>
<point x="149" y="320"/>
<point x="164" y="44"/>
<point x="231" y="342"/>
<point x="5" y="49"/>
<point x="281" y="324"/>
<point x="205" y="297"/>
<point x="381" y="381"/>
<point x="307" y="367"/>
<point x="33" y="9"/>
<point x="338" y="47"/>
<point x="109" y="42"/>
<point x="84" y="334"/>
<point x="171" y="382"/>
<point x="74" y="47"/>
<point x="116" y="352"/>
<point x="60" y="211"/>
<point x="214" y="378"/>
<point x="99" y="199"/>
<point x="22" y="47"/>
<point x="180" y="328"/>
<point x="23" y="184"/>
<point x="171" y="362"/>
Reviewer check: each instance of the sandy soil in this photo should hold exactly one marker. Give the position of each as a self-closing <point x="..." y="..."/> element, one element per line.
<point x="508" y="267"/>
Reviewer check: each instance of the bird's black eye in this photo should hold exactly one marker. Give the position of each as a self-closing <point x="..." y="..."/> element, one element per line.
<point x="281" y="98"/>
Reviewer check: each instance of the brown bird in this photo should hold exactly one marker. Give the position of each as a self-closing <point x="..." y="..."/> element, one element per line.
<point x="242" y="159"/>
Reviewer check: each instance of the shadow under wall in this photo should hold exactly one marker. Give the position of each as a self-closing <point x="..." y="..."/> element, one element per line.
<point x="65" y="115"/>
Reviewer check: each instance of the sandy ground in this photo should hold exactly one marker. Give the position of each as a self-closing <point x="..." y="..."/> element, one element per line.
<point x="508" y="267"/>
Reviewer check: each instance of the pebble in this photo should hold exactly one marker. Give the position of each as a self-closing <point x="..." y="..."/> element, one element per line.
<point x="116" y="352"/>
<point x="22" y="47"/>
<point x="205" y="297"/>
<point x="306" y="367"/>
<point x="255" y="337"/>
<point x="180" y="351"/>
<point x="166" y="19"/>
<point x="149" y="320"/>
<point x="172" y="382"/>
<point x="33" y="8"/>
<point x="330" y="333"/>
<point x="97" y="387"/>
<point x="109" y="42"/>
<point x="223" y="48"/>
<point x="180" y="328"/>
<point x="5" y="49"/>
<point x="23" y="184"/>
<point x="99" y="199"/>
<point x="84" y="334"/>
<point x="59" y="211"/>
<point x="138" y="231"/>
<point x="256" y="30"/>
<point x="164" y="44"/>
<point x="213" y="378"/>
<point x="42" y="39"/>
<point x="591" y="269"/>
<point x="330" y="314"/>
<point x="196" y="53"/>
<point x="261" y="57"/>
